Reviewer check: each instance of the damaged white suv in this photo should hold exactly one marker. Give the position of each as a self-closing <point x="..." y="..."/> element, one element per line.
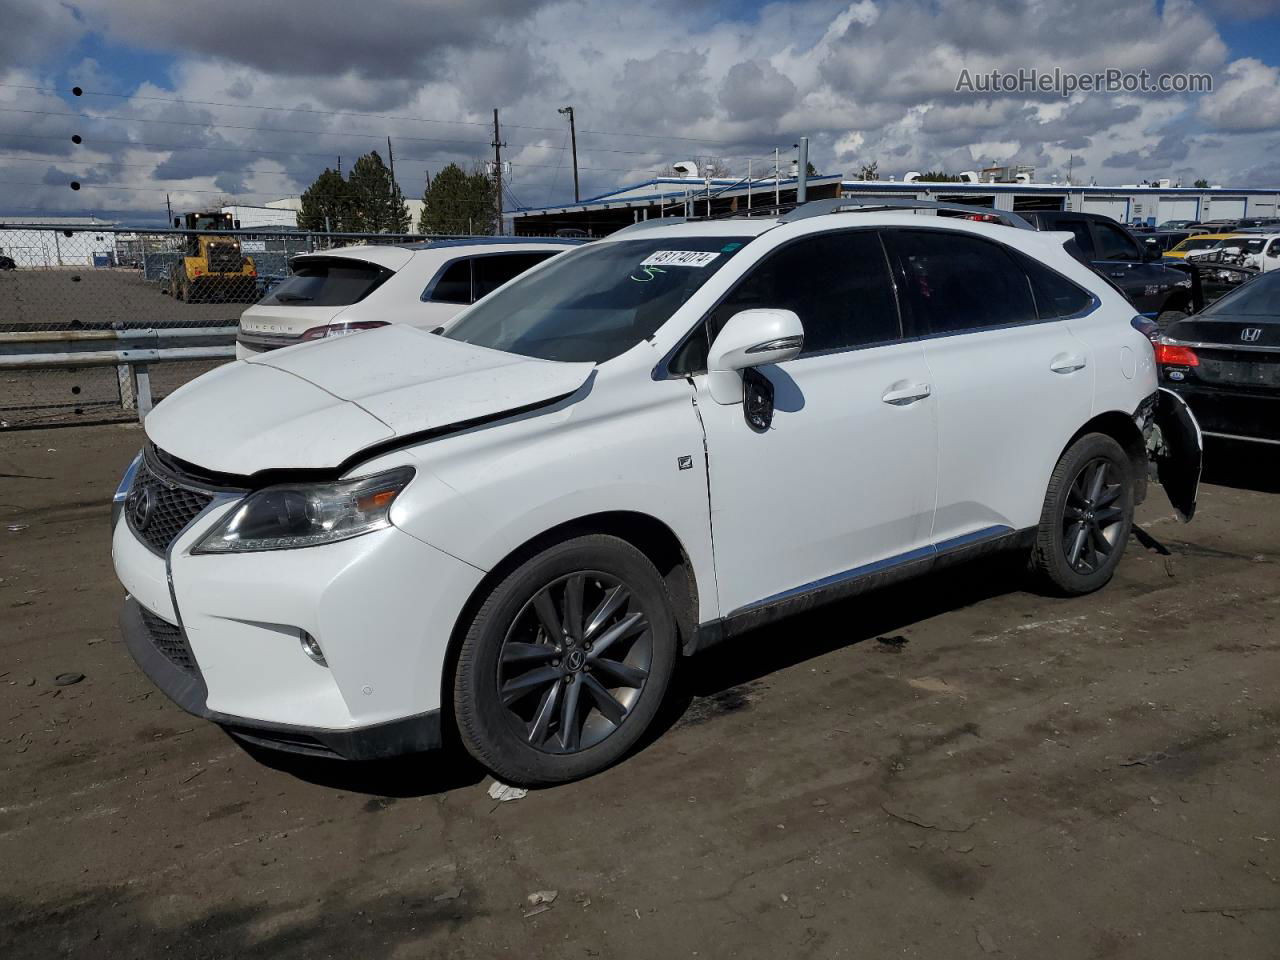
<point x="645" y="446"/>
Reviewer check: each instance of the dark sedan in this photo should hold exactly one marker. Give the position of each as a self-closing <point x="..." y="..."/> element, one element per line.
<point x="1225" y="362"/>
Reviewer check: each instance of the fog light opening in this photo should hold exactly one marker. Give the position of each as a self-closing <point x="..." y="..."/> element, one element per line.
<point x="312" y="649"/>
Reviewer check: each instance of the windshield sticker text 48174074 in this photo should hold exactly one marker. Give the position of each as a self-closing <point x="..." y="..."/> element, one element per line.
<point x="679" y="258"/>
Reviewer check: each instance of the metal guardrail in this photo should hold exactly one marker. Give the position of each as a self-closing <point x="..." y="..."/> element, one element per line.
<point x="136" y="352"/>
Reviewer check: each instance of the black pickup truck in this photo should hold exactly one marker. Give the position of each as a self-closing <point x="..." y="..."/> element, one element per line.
<point x="1164" y="290"/>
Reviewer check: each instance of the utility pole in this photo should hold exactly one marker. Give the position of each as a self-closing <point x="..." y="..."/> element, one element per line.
<point x="168" y="208"/>
<point x="497" y="166"/>
<point x="776" y="187"/>
<point x="802" y="171"/>
<point x="339" y="164"/>
<point x="391" y="161"/>
<point x="573" y="140"/>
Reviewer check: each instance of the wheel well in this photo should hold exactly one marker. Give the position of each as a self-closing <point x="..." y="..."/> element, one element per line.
<point x="1121" y="428"/>
<point x="647" y="534"/>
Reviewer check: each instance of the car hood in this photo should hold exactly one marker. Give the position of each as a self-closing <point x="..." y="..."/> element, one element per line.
<point x="318" y="405"/>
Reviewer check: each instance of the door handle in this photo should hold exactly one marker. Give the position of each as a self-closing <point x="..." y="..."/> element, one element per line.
<point x="1067" y="363"/>
<point x="901" y="396"/>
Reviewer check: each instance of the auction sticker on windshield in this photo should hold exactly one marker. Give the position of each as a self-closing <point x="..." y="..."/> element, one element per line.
<point x="678" y="258"/>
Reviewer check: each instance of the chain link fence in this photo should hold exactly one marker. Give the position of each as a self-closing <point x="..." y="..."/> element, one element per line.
<point x="66" y="293"/>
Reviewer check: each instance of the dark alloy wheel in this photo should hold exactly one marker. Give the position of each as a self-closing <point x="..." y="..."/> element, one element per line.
<point x="1087" y="516"/>
<point x="566" y="662"/>
<point x="574" y="662"/>
<point x="1091" y="519"/>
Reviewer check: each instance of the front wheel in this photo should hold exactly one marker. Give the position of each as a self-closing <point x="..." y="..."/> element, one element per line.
<point x="1087" y="517"/>
<point x="566" y="662"/>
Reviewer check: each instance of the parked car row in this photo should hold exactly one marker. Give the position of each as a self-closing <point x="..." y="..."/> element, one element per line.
<point x="511" y="527"/>
<point x="350" y="289"/>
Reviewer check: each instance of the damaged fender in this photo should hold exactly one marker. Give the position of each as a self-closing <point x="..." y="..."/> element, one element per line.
<point x="1175" y="448"/>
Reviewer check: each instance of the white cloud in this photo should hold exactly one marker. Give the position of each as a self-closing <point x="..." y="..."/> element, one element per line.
<point x="866" y="80"/>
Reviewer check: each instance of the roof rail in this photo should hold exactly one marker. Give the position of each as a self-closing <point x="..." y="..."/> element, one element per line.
<point x="647" y="224"/>
<point x="818" y="208"/>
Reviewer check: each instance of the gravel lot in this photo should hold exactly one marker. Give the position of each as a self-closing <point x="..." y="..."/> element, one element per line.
<point x="948" y="769"/>
<point x="53" y="299"/>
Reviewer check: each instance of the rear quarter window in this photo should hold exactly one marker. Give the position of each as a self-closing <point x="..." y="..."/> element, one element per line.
<point x="1055" y="296"/>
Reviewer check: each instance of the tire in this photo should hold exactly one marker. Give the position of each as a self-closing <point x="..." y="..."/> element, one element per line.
<point x="1081" y="537"/>
<point x="528" y="683"/>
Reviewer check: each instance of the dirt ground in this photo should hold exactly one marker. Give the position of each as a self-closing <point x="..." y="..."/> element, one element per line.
<point x="99" y="298"/>
<point x="950" y="769"/>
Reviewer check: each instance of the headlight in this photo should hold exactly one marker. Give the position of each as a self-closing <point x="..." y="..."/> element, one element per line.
<point x="307" y="514"/>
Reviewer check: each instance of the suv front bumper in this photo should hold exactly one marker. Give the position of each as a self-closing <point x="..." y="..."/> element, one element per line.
<point x="187" y="689"/>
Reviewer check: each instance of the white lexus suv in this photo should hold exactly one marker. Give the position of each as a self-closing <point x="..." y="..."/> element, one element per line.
<point x="514" y="529"/>
<point x="342" y="291"/>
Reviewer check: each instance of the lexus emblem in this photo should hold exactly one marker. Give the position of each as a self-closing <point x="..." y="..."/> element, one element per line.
<point x="1250" y="334"/>
<point x="143" y="505"/>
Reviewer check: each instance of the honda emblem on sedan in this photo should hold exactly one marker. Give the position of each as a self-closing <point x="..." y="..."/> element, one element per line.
<point x="1250" y="334"/>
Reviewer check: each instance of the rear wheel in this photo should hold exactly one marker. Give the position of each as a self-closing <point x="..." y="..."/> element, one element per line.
<point x="566" y="662"/>
<point x="1087" y="516"/>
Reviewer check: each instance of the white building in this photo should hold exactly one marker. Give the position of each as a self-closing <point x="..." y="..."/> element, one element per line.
<point x="45" y="242"/>
<point x="1130" y="204"/>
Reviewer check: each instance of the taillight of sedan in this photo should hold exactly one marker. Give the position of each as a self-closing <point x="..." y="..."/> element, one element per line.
<point x="340" y="330"/>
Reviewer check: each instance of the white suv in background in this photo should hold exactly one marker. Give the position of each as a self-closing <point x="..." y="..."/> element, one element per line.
<point x="646" y="446"/>
<point x="341" y="291"/>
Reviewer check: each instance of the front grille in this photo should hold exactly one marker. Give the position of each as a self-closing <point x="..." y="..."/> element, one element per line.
<point x="158" y="509"/>
<point x="170" y="641"/>
<point x="224" y="258"/>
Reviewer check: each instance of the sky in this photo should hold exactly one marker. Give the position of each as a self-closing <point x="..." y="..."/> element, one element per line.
<point x="251" y="104"/>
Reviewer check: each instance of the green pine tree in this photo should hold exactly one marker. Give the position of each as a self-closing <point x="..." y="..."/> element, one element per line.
<point x="326" y="204"/>
<point x="459" y="202"/>
<point x="377" y="203"/>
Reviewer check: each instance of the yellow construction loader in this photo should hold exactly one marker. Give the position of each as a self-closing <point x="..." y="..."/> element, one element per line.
<point x="213" y="267"/>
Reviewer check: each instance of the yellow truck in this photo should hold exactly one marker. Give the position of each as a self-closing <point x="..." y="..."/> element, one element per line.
<point x="213" y="267"/>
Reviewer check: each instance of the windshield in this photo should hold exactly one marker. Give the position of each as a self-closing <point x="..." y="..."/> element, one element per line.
<point x="1257" y="298"/>
<point x="598" y="301"/>
<point x="1198" y="243"/>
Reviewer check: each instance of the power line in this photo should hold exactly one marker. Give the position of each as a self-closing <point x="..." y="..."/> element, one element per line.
<point x="353" y="113"/>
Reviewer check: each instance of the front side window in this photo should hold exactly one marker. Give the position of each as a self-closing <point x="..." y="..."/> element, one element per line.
<point x="953" y="282"/>
<point x="596" y="302"/>
<point x="837" y="283"/>
<point x="327" y="282"/>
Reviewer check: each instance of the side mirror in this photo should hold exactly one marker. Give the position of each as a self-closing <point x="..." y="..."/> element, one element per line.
<point x="751" y="338"/>
<point x="1151" y="250"/>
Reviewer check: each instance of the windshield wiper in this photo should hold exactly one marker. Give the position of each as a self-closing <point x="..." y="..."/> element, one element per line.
<point x="291" y="298"/>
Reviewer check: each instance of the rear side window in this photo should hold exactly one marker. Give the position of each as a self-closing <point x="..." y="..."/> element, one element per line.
<point x="1114" y="244"/>
<point x="470" y="278"/>
<point x="952" y="282"/>
<point x="837" y="283"/>
<point x="328" y="282"/>
<point x="1080" y="230"/>
<point x="452" y="286"/>
<point x="489" y="273"/>
<point x="1055" y="295"/>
